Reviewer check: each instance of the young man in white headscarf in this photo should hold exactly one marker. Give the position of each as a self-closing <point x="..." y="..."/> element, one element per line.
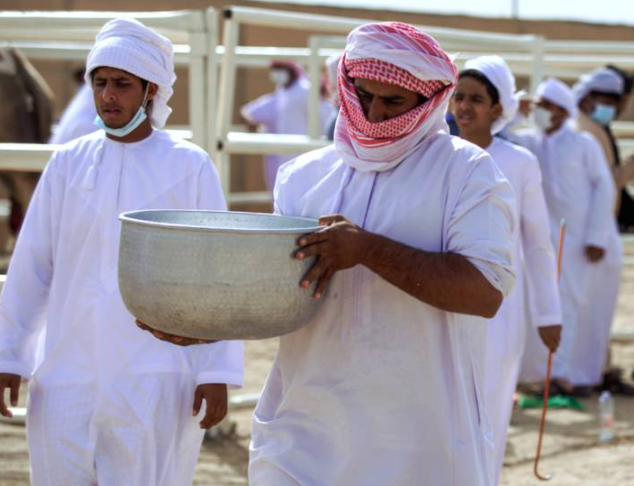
<point x="624" y="173"/>
<point x="384" y="386"/>
<point x="483" y="103"/>
<point x="599" y="96"/>
<point x="578" y="188"/>
<point x="109" y="404"/>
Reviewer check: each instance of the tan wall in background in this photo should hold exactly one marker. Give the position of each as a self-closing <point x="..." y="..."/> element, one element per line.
<point x="252" y="83"/>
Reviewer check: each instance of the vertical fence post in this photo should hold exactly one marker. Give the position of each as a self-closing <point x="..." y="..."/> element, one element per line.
<point x="197" y="85"/>
<point x="539" y="63"/>
<point x="314" y="74"/>
<point x="212" y="81"/>
<point x="226" y="97"/>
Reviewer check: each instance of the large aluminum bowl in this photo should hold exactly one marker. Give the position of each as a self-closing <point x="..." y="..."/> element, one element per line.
<point x="215" y="274"/>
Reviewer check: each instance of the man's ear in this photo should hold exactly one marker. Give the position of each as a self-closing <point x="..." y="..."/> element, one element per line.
<point x="151" y="91"/>
<point x="496" y="111"/>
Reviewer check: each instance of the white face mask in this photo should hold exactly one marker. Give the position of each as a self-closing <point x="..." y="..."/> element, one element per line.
<point x="604" y="114"/>
<point x="279" y="77"/>
<point x="542" y="118"/>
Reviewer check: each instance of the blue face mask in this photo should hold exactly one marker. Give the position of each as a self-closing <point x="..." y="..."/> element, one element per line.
<point x="603" y="114"/>
<point x="139" y="117"/>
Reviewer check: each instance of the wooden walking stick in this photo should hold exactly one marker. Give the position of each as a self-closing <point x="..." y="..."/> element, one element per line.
<point x="542" y="423"/>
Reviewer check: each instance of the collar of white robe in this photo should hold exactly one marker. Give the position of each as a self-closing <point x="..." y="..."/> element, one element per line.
<point x="137" y="119"/>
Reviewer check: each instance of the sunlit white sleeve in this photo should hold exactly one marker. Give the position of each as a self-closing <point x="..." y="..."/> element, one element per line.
<point x="600" y="214"/>
<point x="482" y="223"/>
<point x="282" y="187"/>
<point x="221" y="362"/>
<point x="262" y="110"/>
<point x="539" y="257"/>
<point x="25" y="293"/>
<point x="526" y="138"/>
<point x="210" y="193"/>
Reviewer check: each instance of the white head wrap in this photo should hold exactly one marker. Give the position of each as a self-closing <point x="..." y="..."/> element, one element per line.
<point x="560" y="94"/>
<point x="129" y="45"/>
<point x="603" y="80"/>
<point x="495" y="69"/>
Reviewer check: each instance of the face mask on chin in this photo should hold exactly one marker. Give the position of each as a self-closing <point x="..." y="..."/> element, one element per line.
<point x="542" y="118"/>
<point x="603" y="114"/>
<point x="279" y="77"/>
<point x="139" y="117"/>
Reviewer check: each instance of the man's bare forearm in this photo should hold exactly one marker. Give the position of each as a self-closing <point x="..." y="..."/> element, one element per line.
<point x="624" y="173"/>
<point x="447" y="281"/>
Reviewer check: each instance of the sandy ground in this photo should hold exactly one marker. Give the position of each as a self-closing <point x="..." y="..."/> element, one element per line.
<point x="571" y="451"/>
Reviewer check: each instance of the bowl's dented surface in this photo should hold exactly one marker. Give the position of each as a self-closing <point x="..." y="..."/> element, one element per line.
<point x="215" y="275"/>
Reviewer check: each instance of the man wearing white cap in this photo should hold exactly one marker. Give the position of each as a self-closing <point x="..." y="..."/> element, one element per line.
<point x="108" y="403"/>
<point x="483" y="103"/>
<point x="598" y="95"/>
<point x="578" y="188"/>
<point x="384" y="386"/>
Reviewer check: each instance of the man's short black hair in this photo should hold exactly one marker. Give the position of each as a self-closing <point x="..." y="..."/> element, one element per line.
<point x="613" y="96"/>
<point x="628" y="79"/>
<point x="493" y="92"/>
<point x="144" y="82"/>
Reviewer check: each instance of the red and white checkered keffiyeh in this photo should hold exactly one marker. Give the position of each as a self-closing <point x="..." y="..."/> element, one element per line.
<point x="401" y="55"/>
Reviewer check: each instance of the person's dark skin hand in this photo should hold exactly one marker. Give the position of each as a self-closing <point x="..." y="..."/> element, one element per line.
<point x="594" y="253"/>
<point x="447" y="281"/>
<point x="550" y="336"/>
<point x="171" y="338"/>
<point x="12" y="383"/>
<point x="338" y="247"/>
<point x="216" y="397"/>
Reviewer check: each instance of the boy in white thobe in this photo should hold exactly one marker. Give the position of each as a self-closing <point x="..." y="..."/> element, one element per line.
<point x="384" y="386"/>
<point x="578" y="188"/>
<point x="109" y="404"/>
<point x="483" y="103"/>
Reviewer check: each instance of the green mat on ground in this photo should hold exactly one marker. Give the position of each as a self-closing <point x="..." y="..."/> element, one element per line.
<point x="558" y="401"/>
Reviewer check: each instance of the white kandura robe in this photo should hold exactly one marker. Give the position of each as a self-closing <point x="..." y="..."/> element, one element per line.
<point x="380" y="388"/>
<point x="285" y="111"/>
<point x="78" y="118"/>
<point x="106" y="393"/>
<point x="606" y="281"/>
<point x="534" y="262"/>
<point x="578" y="188"/>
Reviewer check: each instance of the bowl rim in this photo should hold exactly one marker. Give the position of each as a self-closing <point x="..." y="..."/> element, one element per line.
<point x="128" y="217"/>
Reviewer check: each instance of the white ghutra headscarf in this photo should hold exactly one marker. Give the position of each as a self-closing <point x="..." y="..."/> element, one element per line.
<point x="127" y="44"/>
<point x="401" y="55"/>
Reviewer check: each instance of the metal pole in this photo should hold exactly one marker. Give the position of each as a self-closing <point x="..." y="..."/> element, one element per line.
<point x="314" y="72"/>
<point x="197" y="87"/>
<point x="538" y="63"/>
<point x="515" y="9"/>
<point x="212" y="81"/>
<point x="226" y="96"/>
